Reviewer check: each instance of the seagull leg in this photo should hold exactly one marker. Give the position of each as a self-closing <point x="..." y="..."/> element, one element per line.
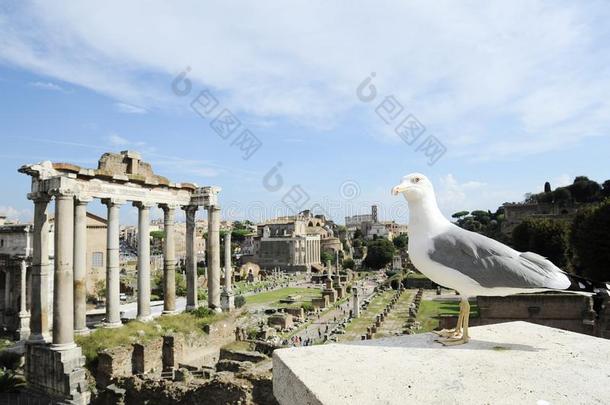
<point x="447" y="333"/>
<point x="464" y="338"/>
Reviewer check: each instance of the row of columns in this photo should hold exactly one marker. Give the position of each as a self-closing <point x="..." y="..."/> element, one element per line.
<point x="69" y="294"/>
<point x="312" y="251"/>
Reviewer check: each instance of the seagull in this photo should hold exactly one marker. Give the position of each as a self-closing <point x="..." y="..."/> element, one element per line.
<point x="471" y="263"/>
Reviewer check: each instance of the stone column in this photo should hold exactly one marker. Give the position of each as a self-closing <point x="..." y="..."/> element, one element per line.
<point x="63" y="283"/>
<point x="7" y="293"/>
<point x="356" y="303"/>
<point x="214" y="257"/>
<point x="80" y="266"/>
<point x="227" y="298"/>
<point x="191" y="258"/>
<point x="39" y="322"/>
<point x="113" y="281"/>
<point x="169" y="259"/>
<point x="143" y="261"/>
<point x="24" y="315"/>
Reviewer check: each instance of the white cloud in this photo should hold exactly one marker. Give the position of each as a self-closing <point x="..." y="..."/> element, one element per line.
<point x="493" y="79"/>
<point x="12" y="213"/>
<point x="453" y="195"/>
<point x="562" y="181"/>
<point x="130" y="109"/>
<point x="46" y="86"/>
<point x="117" y="140"/>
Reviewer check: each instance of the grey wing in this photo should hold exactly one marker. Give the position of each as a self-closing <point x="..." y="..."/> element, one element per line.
<point x="493" y="264"/>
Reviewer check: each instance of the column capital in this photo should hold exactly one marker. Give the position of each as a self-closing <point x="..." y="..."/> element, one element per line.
<point x="82" y="200"/>
<point x="190" y="208"/>
<point x="166" y="206"/>
<point x="61" y="187"/>
<point x="144" y="205"/>
<point x="62" y="194"/>
<point x="39" y="197"/>
<point x="114" y="202"/>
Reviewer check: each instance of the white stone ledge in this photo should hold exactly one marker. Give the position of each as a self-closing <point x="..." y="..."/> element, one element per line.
<point x="509" y="363"/>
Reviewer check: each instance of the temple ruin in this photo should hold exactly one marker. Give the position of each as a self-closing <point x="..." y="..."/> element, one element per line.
<point x="54" y="363"/>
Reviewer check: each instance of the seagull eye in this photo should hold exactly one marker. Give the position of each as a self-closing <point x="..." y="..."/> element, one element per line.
<point x="416" y="180"/>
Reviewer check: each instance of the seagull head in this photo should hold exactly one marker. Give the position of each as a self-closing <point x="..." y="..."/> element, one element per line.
<point x="414" y="187"/>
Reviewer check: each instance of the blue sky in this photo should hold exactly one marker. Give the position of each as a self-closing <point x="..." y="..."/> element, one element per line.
<point x="515" y="91"/>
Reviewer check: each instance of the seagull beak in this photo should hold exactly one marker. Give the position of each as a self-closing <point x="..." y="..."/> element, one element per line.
<point x="399" y="189"/>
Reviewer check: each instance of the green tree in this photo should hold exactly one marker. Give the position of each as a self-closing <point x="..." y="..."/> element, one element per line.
<point x="357" y="234"/>
<point x="401" y="242"/>
<point x="562" y="194"/>
<point x="100" y="288"/>
<point x="584" y="190"/>
<point x="239" y="235"/>
<point x="379" y="253"/>
<point x="349" y="264"/>
<point x="460" y="214"/>
<point x="590" y="241"/>
<point x="180" y="284"/>
<point x="543" y="236"/>
<point x="547" y="187"/>
<point x="157" y="234"/>
<point x="326" y="256"/>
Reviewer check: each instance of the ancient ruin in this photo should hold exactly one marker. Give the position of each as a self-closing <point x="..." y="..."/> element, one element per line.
<point x="54" y="364"/>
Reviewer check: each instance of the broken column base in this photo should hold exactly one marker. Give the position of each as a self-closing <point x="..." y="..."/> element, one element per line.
<point x="58" y="374"/>
<point x="331" y="294"/>
<point x="508" y="363"/>
<point x="227" y="301"/>
<point x="23" y="333"/>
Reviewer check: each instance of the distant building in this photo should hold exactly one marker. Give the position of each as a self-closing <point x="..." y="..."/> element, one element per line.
<point x="96" y="251"/>
<point x="355" y="222"/>
<point x="515" y="213"/>
<point x="16" y="254"/>
<point x="290" y="243"/>
<point x="371" y="228"/>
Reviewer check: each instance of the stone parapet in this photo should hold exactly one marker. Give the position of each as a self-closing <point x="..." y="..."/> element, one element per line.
<point x="509" y="363"/>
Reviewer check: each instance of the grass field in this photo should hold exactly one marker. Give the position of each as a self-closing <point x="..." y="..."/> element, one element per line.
<point x="357" y="327"/>
<point x="272" y="298"/>
<point x="129" y="333"/>
<point x="429" y="312"/>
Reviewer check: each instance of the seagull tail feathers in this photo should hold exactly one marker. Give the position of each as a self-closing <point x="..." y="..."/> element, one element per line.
<point x="582" y="284"/>
<point x="600" y="291"/>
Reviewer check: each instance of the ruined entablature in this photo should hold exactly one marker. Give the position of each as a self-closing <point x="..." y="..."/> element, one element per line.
<point x="119" y="175"/>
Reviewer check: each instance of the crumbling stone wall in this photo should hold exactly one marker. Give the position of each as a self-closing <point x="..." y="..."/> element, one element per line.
<point x="113" y="363"/>
<point x="146" y="357"/>
<point x="570" y="312"/>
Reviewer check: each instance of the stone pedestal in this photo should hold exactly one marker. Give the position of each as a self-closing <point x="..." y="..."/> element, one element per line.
<point x="329" y="291"/>
<point x="331" y="294"/>
<point x="227" y="301"/>
<point x="508" y="363"/>
<point x="57" y="374"/>
<point x="23" y="332"/>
